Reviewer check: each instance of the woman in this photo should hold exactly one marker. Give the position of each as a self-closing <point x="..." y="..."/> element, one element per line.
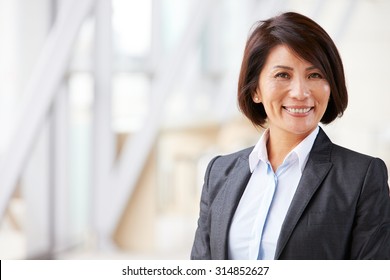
<point x="295" y="195"/>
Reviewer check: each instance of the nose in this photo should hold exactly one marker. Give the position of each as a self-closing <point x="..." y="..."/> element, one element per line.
<point x="299" y="89"/>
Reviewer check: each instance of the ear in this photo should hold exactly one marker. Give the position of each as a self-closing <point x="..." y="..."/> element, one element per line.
<point x="257" y="96"/>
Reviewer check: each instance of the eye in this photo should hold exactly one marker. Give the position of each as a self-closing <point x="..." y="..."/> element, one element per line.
<point x="315" y="76"/>
<point x="282" y="75"/>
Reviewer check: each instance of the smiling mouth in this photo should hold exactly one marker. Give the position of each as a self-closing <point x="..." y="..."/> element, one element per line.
<point x="298" y="110"/>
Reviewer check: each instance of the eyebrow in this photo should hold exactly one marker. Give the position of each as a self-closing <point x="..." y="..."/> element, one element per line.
<point x="291" y="68"/>
<point x="283" y="67"/>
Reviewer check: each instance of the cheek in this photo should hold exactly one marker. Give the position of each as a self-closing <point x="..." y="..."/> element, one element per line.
<point x="326" y="88"/>
<point x="271" y="92"/>
<point x="323" y="94"/>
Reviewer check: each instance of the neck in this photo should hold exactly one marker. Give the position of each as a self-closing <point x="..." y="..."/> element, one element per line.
<point x="280" y="144"/>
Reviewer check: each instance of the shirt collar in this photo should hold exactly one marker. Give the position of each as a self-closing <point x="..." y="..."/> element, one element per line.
<point x="302" y="150"/>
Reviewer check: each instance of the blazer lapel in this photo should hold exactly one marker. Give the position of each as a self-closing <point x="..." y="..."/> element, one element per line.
<point x="234" y="189"/>
<point x="317" y="167"/>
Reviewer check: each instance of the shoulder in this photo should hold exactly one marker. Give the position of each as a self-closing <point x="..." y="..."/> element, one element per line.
<point x="345" y="161"/>
<point x="226" y="162"/>
<point x="242" y="155"/>
<point x="344" y="154"/>
<point x="344" y="158"/>
<point x="356" y="161"/>
<point x="325" y="149"/>
<point x="223" y="166"/>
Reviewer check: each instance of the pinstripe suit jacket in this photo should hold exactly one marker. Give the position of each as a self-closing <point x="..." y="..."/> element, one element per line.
<point x="341" y="209"/>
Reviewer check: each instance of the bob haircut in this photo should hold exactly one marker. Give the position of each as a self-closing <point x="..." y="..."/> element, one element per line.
<point x="310" y="42"/>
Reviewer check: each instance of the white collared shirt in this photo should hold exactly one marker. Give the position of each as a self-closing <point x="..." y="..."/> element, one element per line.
<point x="256" y="224"/>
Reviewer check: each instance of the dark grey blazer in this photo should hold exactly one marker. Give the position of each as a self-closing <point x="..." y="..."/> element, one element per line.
<point x="341" y="209"/>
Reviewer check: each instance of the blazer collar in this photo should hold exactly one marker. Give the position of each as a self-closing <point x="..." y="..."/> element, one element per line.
<point x="317" y="167"/>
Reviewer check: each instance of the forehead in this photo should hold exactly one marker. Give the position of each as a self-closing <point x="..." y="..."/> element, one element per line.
<point x="284" y="56"/>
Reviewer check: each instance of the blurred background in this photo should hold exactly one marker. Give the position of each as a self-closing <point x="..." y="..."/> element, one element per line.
<point x="110" y="111"/>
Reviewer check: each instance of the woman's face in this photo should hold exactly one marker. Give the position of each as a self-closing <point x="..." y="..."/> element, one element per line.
<point x="294" y="93"/>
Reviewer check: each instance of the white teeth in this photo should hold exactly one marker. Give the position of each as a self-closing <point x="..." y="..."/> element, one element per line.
<point x="298" y="110"/>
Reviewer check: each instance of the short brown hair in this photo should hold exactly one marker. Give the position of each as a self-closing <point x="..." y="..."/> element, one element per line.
<point x="310" y="42"/>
